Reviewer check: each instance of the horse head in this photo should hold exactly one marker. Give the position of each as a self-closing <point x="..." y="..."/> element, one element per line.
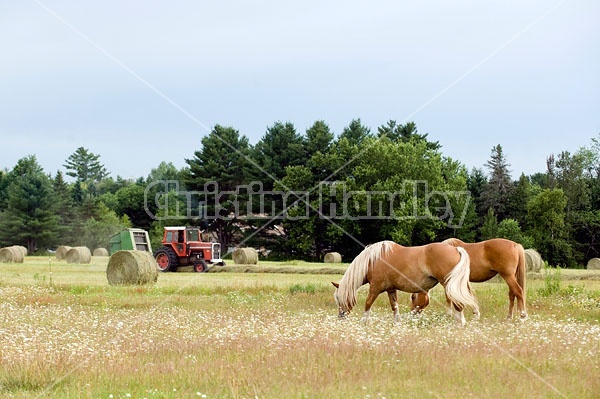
<point x="418" y="301"/>
<point x="342" y="310"/>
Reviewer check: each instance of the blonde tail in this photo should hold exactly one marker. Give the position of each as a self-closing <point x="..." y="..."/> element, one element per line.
<point x="457" y="283"/>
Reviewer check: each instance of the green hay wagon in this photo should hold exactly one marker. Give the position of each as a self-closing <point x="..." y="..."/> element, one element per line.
<point x="130" y="239"/>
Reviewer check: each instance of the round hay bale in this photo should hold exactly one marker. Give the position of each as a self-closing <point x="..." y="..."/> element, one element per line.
<point x="333" y="257"/>
<point x="79" y="255"/>
<point x="533" y="260"/>
<point x="22" y="249"/>
<point x="245" y="256"/>
<point x="132" y="268"/>
<point x="61" y="252"/>
<point x="593" y="264"/>
<point x="100" y="252"/>
<point x="11" y="255"/>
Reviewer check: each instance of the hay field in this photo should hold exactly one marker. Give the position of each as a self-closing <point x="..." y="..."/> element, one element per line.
<point x="271" y="335"/>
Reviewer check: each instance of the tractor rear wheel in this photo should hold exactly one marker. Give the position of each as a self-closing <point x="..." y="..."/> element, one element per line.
<point x="166" y="259"/>
<point x="200" y="266"/>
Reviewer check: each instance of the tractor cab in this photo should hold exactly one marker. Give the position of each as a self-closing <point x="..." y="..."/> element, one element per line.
<point x="183" y="246"/>
<point x="181" y="238"/>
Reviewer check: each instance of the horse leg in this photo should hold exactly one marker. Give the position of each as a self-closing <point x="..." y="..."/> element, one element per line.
<point x="476" y="314"/>
<point x="373" y="294"/>
<point x="455" y="311"/>
<point x="459" y="316"/>
<point x="511" y="303"/>
<point x="515" y="291"/>
<point x="449" y="306"/>
<point x="393" y="296"/>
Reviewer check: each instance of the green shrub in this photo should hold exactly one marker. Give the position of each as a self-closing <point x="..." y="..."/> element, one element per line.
<point x="551" y="282"/>
<point x="306" y="288"/>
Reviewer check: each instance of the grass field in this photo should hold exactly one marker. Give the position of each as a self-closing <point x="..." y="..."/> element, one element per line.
<point x="65" y="333"/>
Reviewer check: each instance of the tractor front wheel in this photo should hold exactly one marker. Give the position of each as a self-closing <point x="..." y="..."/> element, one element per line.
<point x="200" y="266"/>
<point x="166" y="259"/>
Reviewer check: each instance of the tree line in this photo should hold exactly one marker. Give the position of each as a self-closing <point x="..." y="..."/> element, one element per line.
<point x="301" y="195"/>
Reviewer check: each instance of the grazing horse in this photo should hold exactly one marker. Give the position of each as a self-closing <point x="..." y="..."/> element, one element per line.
<point x="387" y="267"/>
<point x="488" y="258"/>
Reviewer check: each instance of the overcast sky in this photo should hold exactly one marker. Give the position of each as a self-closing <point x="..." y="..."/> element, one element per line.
<point x="140" y="82"/>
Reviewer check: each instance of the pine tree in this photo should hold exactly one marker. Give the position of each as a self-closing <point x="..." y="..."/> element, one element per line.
<point x="218" y="170"/>
<point x="489" y="229"/>
<point x="355" y="132"/>
<point x="281" y="146"/>
<point x="65" y="209"/>
<point x="30" y="217"/>
<point x="405" y="133"/>
<point x="476" y="183"/>
<point x="85" y="166"/>
<point x="498" y="191"/>
<point x="318" y="139"/>
<point x="517" y="204"/>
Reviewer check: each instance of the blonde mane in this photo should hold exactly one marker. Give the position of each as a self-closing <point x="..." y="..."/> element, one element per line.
<point x="355" y="275"/>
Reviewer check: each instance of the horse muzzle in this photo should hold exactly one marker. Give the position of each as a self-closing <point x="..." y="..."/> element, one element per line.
<point x="342" y="314"/>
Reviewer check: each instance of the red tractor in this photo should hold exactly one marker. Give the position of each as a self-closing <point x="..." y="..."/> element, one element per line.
<point x="183" y="246"/>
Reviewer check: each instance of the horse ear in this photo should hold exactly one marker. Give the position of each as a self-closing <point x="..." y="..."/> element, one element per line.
<point x="336" y="285"/>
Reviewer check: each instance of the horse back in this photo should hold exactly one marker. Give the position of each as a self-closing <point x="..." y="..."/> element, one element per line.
<point x="496" y="255"/>
<point x="412" y="269"/>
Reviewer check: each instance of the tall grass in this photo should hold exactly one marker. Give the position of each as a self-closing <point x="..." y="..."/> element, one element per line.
<point x="242" y="336"/>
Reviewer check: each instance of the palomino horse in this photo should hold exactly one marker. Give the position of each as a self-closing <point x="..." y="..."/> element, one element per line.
<point x="388" y="267"/>
<point x="488" y="258"/>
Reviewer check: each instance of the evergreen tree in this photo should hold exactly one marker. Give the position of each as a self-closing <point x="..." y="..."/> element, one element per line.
<point x="476" y="183"/>
<point x="85" y="166"/>
<point x="539" y="179"/>
<point x="4" y="181"/>
<point x="550" y="181"/>
<point x="489" y="228"/>
<point x="355" y="132"/>
<point x="594" y="173"/>
<point x="498" y="191"/>
<point x="517" y="203"/>
<point x="218" y="170"/>
<point x="65" y="209"/>
<point x="585" y="226"/>
<point x="77" y="194"/>
<point x="29" y="218"/>
<point x="281" y="146"/>
<point x="318" y="139"/>
<point x="405" y="133"/>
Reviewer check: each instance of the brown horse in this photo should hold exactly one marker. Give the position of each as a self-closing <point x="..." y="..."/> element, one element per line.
<point x="387" y="267"/>
<point x="488" y="258"/>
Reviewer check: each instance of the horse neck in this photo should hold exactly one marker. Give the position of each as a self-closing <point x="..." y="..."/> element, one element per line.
<point x="356" y="274"/>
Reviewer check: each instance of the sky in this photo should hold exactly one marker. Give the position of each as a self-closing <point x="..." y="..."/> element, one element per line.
<point x="141" y="82"/>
